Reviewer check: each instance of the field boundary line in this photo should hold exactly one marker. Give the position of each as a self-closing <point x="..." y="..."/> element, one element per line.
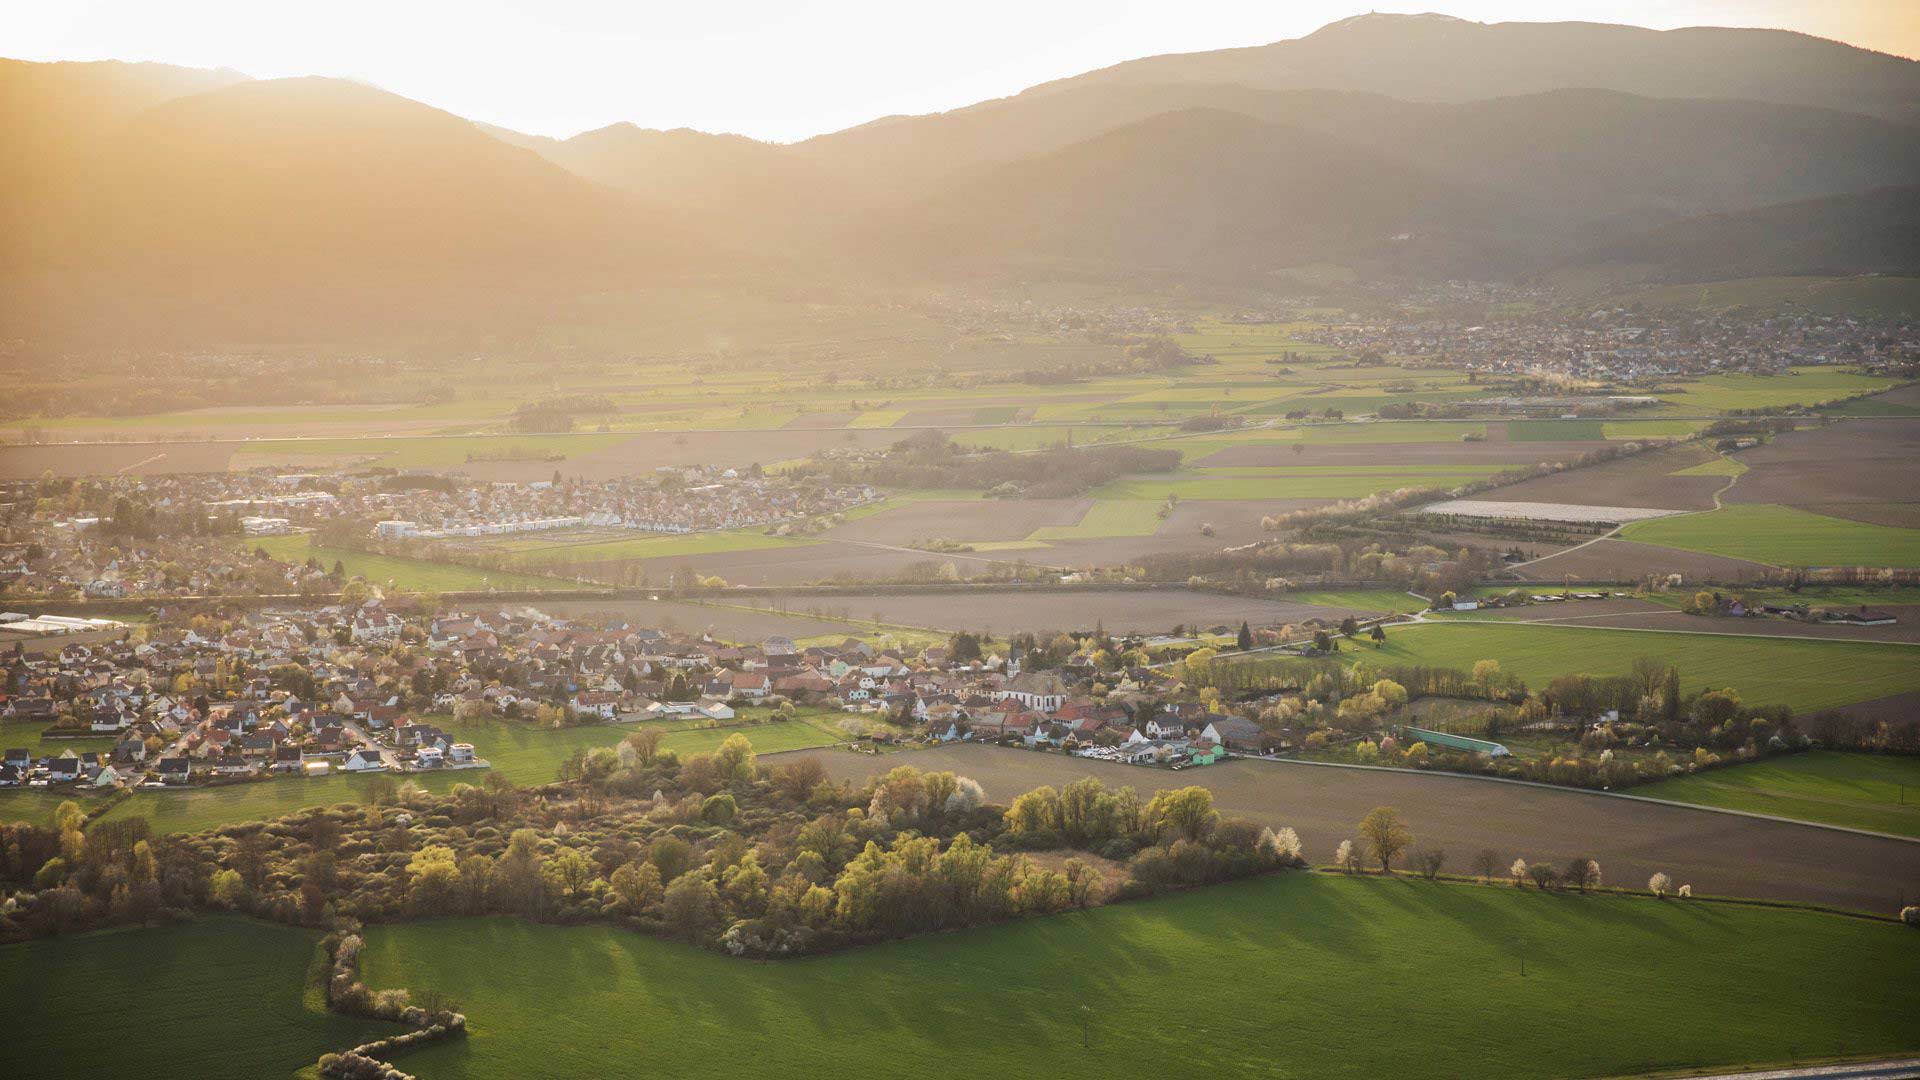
<point x="1552" y="624"/>
<point x="1590" y="791"/>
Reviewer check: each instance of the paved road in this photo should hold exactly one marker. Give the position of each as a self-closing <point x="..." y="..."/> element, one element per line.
<point x="1721" y="854"/>
<point x="1860" y="1070"/>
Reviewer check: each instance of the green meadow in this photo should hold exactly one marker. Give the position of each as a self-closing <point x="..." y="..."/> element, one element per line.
<point x="1299" y="975"/>
<point x="402" y="573"/>
<point x="1777" y="671"/>
<point x="1782" y="536"/>
<point x="218" y="999"/>
<point x="1860" y="791"/>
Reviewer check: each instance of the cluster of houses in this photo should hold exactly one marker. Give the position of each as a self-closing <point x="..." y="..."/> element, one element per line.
<point x="677" y="499"/>
<point x="302" y="691"/>
<point x="66" y="550"/>
<point x="1628" y="346"/>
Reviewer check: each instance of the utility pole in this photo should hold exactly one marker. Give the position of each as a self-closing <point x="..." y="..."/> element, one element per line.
<point x="1086" y="1027"/>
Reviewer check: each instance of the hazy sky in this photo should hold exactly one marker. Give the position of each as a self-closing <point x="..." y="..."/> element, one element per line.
<point x="775" y="69"/>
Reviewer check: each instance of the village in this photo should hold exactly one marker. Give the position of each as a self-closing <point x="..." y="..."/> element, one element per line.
<point x="302" y="692"/>
<point x="1623" y="346"/>
<point x="138" y="536"/>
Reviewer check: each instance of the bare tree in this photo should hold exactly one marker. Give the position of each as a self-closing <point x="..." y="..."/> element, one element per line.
<point x="1429" y="862"/>
<point x="1486" y="863"/>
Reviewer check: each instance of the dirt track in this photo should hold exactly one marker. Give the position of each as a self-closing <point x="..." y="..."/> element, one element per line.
<point x="1717" y="853"/>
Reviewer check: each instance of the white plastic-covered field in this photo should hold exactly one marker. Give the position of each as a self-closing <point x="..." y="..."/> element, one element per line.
<point x="1541" y="511"/>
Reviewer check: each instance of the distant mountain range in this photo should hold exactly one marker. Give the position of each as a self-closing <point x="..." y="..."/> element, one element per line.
<point x="142" y="199"/>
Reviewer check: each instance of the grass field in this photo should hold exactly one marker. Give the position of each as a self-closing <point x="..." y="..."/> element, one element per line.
<point x="1107" y="517"/>
<point x="412" y="574"/>
<point x="1860" y="791"/>
<point x="1782" y="536"/>
<point x="1389" y="600"/>
<point x="1782" y="671"/>
<point x="1328" y="977"/>
<point x="220" y="999"/>
<point x="1801" y="386"/>
<point x="1555" y="430"/>
<point x="531" y="755"/>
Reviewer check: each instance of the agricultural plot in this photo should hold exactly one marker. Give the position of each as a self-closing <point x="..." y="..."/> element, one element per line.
<point x="1718" y="854"/>
<point x="1513" y="510"/>
<point x="1780" y="671"/>
<point x="1294" y="938"/>
<point x="527" y="754"/>
<point x="1107" y="517"/>
<point x="238" y="1004"/>
<point x="1153" y="611"/>
<point x="1800" y="386"/>
<point x="1859" y="791"/>
<point x="1627" y="562"/>
<point x="1782" y="536"/>
<point x="1860" y="470"/>
<point x="625" y="546"/>
<point x="403" y="573"/>
<point x="736" y="623"/>
<point x="1555" y="430"/>
<point x="1278" y="483"/>
<point x="1644" y="480"/>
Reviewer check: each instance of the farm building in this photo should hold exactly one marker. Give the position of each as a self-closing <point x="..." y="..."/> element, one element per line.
<point x="1456" y="742"/>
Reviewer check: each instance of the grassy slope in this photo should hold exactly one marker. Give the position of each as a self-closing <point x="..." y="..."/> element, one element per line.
<point x="217" y="999"/>
<point x="403" y="573"/>
<point x="1782" y="536"/>
<point x="1333" y="977"/>
<point x="1764" y="670"/>
<point x="1860" y="791"/>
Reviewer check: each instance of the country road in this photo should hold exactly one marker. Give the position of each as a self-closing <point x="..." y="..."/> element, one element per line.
<point x="1718" y="854"/>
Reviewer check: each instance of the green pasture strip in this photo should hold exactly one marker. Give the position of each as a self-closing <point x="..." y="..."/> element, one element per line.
<point x="1782" y="536"/>
<point x="1107" y="517"/>
<point x="1860" y="791"/>
<point x="401" y="573"/>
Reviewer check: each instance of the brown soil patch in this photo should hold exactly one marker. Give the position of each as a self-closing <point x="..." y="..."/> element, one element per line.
<point x="1715" y="853"/>
<point x="1639" y="480"/>
<point x="1897" y="710"/>
<point x="725" y="623"/>
<point x="1625" y="560"/>
<point x="1858" y="469"/>
<point x="1491" y="452"/>
<point x="1148" y="612"/>
<point x="819" y="420"/>
<point x="19" y="462"/>
<point x="962" y="519"/>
